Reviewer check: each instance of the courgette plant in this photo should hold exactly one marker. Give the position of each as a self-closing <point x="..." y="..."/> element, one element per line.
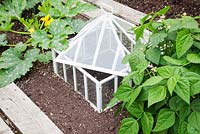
<point x="49" y="26"/>
<point x="165" y="95"/>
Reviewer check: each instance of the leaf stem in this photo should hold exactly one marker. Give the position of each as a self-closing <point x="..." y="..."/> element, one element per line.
<point x="20" y="32"/>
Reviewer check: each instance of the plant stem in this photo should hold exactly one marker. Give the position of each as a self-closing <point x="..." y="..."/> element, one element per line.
<point x="42" y="25"/>
<point x="10" y="45"/>
<point x="28" y="40"/>
<point x="148" y="73"/>
<point x="20" y="32"/>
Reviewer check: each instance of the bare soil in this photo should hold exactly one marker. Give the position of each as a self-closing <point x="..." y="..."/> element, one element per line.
<point x="68" y="110"/>
<point x="178" y="7"/>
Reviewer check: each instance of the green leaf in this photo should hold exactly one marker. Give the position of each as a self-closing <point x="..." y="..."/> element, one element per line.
<point x="147" y="121"/>
<point x="189" y="22"/>
<point x="40" y="39"/>
<point x="112" y="103"/>
<point x="193" y="58"/>
<point x="182" y="89"/>
<point x="174" y="61"/>
<point x="156" y="94"/>
<point x="21" y="67"/>
<point x="129" y="77"/>
<point x="195" y="105"/>
<point x="157" y="38"/>
<point x="152" y="81"/>
<point x="195" y="88"/>
<point x="153" y="54"/>
<point x="171" y="83"/>
<point x="196" y="44"/>
<point x="192" y="77"/>
<point x="136" y="58"/>
<point x="139" y="31"/>
<point x="11" y="57"/>
<point x="192" y="130"/>
<point x="145" y="18"/>
<point x="166" y="71"/>
<point x="173" y="24"/>
<point x="123" y="93"/>
<point x="45" y="57"/>
<point x="182" y="128"/>
<point x="3" y="41"/>
<point x="184" y="41"/>
<point x="76" y="24"/>
<point x="32" y="3"/>
<point x="176" y="103"/>
<point x="13" y="8"/>
<point x="80" y="8"/>
<point x="136" y="109"/>
<point x="138" y="78"/>
<point x="194" y="121"/>
<point x="129" y="126"/>
<point x="184" y="112"/>
<point x="163" y="11"/>
<point x="134" y="94"/>
<point x="166" y="119"/>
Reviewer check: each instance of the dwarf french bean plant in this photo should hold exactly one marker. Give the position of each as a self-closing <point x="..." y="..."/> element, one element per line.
<point x="165" y="71"/>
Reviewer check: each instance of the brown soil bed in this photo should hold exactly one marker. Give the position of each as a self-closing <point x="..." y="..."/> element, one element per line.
<point x="178" y="7"/>
<point x="68" y="110"/>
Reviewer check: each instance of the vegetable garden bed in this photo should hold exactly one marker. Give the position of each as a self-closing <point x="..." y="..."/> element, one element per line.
<point x="73" y="115"/>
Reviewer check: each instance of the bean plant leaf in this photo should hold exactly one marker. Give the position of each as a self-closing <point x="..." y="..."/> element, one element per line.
<point x="192" y="77"/>
<point x="173" y="24"/>
<point x="134" y="94"/>
<point x="176" y="103"/>
<point x="156" y="94"/>
<point x="166" y="119"/>
<point x="152" y="81"/>
<point x="192" y="130"/>
<point x="189" y="22"/>
<point x="171" y="83"/>
<point x="123" y="93"/>
<point x="194" y="121"/>
<point x="3" y="41"/>
<point x="147" y="121"/>
<point x="136" y="109"/>
<point x="157" y="38"/>
<point x="182" y="128"/>
<point x="163" y="11"/>
<point x="153" y="54"/>
<point x="112" y="103"/>
<point x="195" y="88"/>
<point x="182" y="89"/>
<point x="174" y="61"/>
<point x="194" y="58"/>
<point x="184" y="41"/>
<point x="195" y="105"/>
<point x="129" y="126"/>
<point x="11" y="72"/>
<point x="166" y="71"/>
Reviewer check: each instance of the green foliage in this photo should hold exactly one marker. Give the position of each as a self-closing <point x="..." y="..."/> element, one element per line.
<point x="129" y="126"/>
<point x="48" y="29"/>
<point x="13" y="64"/>
<point x="165" y="96"/>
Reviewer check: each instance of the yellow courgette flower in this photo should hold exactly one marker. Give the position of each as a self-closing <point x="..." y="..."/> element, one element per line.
<point x="31" y="30"/>
<point x="47" y="20"/>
